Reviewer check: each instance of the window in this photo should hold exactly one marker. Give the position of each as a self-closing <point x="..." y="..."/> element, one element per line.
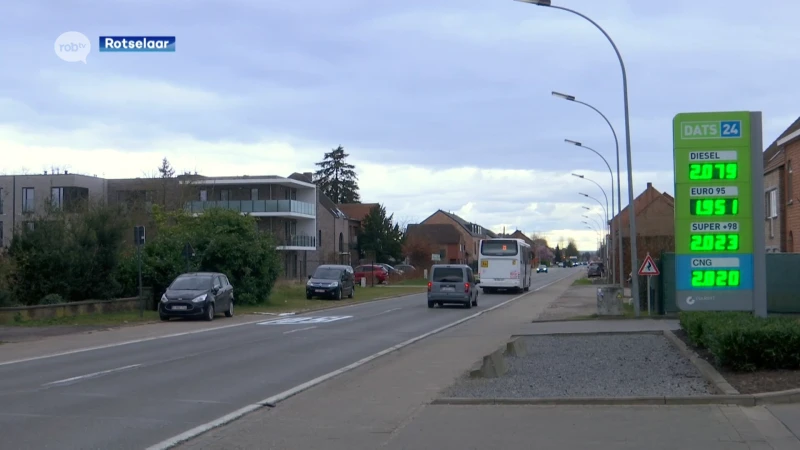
<point x="2" y="243"/>
<point x="341" y="242"/>
<point x="319" y="237"/>
<point x="499" y="247"/>
<point x="57" y="197"/>
<point x="203" y="195"/>
<point x="771" y="203"/>
<point x="225" y="195"/>
<point x="1" y="201"/>
<point x="28" y="198"/>
<point x="447" y="274"/>
<point x="789" y="184"/>
<point x="254" y="194"/>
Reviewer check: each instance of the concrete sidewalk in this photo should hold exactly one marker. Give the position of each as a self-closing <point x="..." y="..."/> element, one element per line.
<point x="385" y="404"/>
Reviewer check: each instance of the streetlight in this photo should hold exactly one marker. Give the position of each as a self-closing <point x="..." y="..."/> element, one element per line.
<point x="619" y="196"/>
<point x="606" y="211"/>
<point x="572" y="98"/>
<point x="591" y="210"/>
<point x="601" y="190"/>
<point x="591" y="218"/>
<point x="631" y="212"/>
<point x="597" y="238"/>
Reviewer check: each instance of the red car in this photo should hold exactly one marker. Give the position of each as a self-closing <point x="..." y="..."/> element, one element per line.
<point x="368" y="271"/>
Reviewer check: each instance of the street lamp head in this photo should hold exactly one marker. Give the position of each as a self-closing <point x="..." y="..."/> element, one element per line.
<point x="536" y="2"/>
<point x="564" y="96"/>
<point x="570" y="141"/>
<point x="581" y="193"/>
<point x="586" y="208"/>
<point x="576" y="175"/>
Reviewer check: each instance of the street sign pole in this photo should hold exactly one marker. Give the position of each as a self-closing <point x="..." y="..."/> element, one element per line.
<point x="648" y="269"/>
<point x="649" y="277"/>
<point x="720" y="260"/>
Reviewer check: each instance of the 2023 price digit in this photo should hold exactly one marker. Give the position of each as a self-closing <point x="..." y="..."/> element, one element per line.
<point x="713" y="242"/>
<point x="714" y="171"/>
<point x="716" y="278"/>
<point x="714" y="206"/>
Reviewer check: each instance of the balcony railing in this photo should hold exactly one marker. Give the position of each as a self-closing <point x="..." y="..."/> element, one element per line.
<point x="255" y="206"/>
<point x="300" y="240"/>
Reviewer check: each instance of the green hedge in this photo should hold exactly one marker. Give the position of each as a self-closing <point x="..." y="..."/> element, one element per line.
<point x="741" y="341"/>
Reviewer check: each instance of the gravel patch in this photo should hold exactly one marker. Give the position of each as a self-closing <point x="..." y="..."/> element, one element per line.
<point x="620" y="365"/>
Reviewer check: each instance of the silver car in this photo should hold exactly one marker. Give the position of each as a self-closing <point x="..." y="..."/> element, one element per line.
<point x="452" y="283"/>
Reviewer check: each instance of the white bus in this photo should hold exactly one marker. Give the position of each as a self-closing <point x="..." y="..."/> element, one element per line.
<point x="505" y="264"/>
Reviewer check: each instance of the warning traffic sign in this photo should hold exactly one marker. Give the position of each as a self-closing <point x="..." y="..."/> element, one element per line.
<point x="649" y="267"/>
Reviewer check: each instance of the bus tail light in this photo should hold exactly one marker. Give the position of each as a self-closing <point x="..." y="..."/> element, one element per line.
<point x="429" y="286"/>
<point x="466" y="287"/>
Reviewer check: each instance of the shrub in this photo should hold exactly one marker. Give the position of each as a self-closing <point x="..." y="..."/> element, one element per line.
<point x="741" y="341"/>
<point x="51" y="299"/>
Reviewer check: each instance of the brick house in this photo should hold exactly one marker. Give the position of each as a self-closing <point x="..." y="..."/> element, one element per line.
<point x="655" y="227"/>
<point x="472" y="233"/>
<point x="355" y="212"/>
<point x="446" y="239"/>
<point x="781" y="194"/>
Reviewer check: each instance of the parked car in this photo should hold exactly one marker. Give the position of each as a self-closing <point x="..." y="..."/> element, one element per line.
<point x="370" y="272"/>
<point x="452" y="283"/>
<point x="406" y="268"/>
<point x="197" y="294"/>
<point x="331" y="281"/>
<point x="541" y="269"/>
<point x="390" y="269"/>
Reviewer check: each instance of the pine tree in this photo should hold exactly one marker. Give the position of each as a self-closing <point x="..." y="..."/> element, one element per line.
<point x="379" y="235"/>
<point x="165" y="172"/>
<point x="557" y="256"/>
<point x="336" y="178"/>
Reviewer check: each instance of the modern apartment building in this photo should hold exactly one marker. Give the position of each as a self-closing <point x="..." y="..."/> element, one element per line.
<point x="23" y="197"/>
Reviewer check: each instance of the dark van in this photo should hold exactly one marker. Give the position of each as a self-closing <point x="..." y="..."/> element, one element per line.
<point x="331" y="281"/>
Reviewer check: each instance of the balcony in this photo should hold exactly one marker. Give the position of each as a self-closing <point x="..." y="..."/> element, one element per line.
<point x="279" y="208"/>
<point x="297" y="242"/>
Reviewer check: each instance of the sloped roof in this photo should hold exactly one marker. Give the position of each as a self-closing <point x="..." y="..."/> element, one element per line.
<point x="324" y="200"/>
<point x="520" y="235"/>
<point x="467" y="225"/>
<point x="642" y="202"/>
<point x="356" y="211"/>
<point x="774" y="155"/>
<point x="436" y="233"/>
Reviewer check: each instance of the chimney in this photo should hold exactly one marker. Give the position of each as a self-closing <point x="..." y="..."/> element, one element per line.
<point x="308" y="175"/>
<point x="649" y="185"/>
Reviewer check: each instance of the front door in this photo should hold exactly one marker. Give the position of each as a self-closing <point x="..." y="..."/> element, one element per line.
<point x="220" y="300"/>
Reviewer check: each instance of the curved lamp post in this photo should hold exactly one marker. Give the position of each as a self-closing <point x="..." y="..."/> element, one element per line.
<point x="631" y="212"/>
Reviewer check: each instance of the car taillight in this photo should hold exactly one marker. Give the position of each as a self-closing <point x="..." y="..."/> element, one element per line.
<point x="466" y="287"/>
<point x="429" y="286"/>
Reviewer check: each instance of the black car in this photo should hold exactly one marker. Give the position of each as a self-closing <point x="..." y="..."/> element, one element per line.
<point x="594" y="270"/>
<point x="199" y="294"/>
<point x="331" y="281"/>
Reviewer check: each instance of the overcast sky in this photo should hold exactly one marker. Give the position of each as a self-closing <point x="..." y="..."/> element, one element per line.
<point x="441" y="104"/>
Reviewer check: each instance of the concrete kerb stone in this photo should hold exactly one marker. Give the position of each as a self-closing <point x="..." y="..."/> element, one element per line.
<point x="708" y="372"/>
<point x="739" y="400"/>
<point x="516" y="347"/>
<point x="493" y="365"/>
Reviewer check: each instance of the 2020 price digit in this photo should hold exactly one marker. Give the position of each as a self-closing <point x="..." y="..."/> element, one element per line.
<point x="716" y="278"/>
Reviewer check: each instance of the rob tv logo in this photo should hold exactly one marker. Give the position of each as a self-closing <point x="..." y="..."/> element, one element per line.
<point x="73" y="46"/>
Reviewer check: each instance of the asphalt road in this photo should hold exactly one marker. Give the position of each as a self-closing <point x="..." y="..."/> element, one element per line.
<point x="136" y="395"/>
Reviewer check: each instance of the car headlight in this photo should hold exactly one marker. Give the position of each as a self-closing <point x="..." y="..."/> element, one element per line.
<point x="164" y="298"/>
<point x="200" y="298"/>
<point x="334" y="284"/>
<point x="308" y="283"/>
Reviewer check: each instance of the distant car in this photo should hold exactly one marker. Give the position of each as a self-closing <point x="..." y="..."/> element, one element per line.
<point x="452" y="283"/>
<point x="406" y="268"/>
<point x="370" y="272"/>
<point x="541" y="269"/>
<point x="331" y="281"/>
<point x="197" y="294"/>
<point x="594" y="270"/>
<point x="390" y="269"/>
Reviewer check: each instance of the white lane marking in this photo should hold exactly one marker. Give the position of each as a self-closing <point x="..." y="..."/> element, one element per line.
<point x="385" y="312"/>
<point x="304" y="320"/>
<point x="298" y="329"/>
<point x="198" y="430"/>
<point x="90" y="375"/>
<point x="185" y="333"/>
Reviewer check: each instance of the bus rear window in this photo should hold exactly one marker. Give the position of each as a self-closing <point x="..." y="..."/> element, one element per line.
<point x="499" y="247"/>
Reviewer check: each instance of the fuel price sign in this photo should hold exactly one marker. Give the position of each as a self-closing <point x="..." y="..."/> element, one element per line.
<point x="718" y="167"/>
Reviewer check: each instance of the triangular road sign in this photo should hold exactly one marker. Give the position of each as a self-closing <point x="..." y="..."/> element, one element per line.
<point x="649" y="267"/>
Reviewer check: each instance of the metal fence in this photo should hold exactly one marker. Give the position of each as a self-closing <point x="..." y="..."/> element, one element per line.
<point x="783" y="284"/>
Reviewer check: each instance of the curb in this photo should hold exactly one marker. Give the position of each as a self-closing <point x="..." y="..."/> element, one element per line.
<point x="711" y="375"/>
